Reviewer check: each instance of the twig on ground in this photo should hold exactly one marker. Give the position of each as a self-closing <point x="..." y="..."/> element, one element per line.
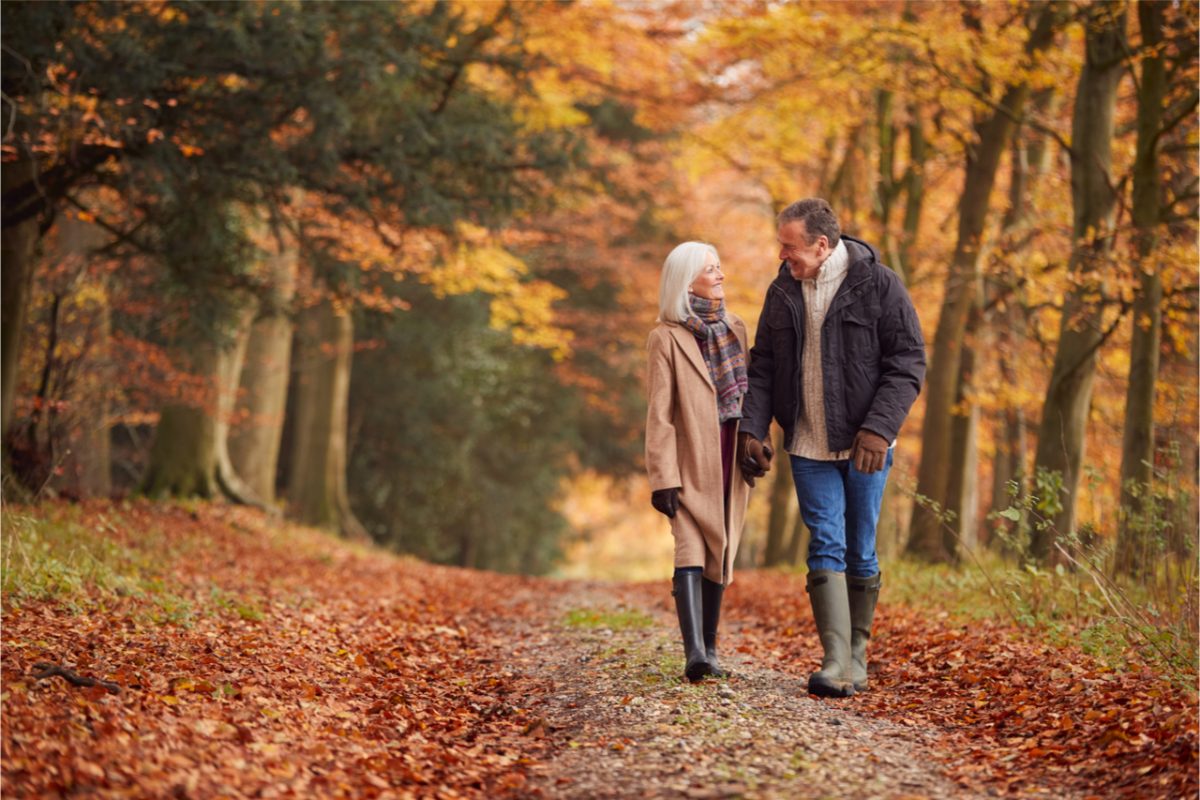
<point x="41" y="671"/>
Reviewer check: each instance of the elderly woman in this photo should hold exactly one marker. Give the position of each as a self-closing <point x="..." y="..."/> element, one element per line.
<point x="696" y="381"/>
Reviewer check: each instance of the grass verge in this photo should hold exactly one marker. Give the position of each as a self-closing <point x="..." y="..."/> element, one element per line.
<point x="1062" y="605"/>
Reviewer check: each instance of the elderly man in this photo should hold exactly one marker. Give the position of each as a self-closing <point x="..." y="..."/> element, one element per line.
<point x="838" y="360"/>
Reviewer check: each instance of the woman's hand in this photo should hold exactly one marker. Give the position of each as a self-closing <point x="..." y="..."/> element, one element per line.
<point x="666" y="501"/>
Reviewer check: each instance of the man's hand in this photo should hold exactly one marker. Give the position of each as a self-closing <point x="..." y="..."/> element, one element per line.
<point x="869" y="452"/>
<point x="753" y="457"/>
<point x="666" y="501"/>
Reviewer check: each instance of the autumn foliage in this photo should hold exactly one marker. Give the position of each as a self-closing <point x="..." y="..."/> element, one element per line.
<point x="250" y="658"/>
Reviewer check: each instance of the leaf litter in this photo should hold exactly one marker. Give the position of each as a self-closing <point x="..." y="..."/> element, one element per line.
<point x="271" y="661"/>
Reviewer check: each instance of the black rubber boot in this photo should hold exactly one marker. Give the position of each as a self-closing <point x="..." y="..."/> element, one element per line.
<point x="831" y="610"/>
<point x="687" y="604"/>
<point x="712" y="593"/>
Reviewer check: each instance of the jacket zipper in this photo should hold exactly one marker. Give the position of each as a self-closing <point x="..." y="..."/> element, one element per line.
<point x="798" y="325"/>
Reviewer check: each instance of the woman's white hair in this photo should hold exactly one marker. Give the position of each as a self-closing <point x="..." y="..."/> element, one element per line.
<point x="679" y="271"/>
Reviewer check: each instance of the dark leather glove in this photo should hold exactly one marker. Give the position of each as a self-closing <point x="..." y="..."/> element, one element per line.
<point x="869" y="452"/>
<point x="666" y="501"/>
<point x="753" y="457"/>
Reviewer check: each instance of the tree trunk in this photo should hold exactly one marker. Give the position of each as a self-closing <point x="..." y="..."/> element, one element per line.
<point x="888" y="187"/>
<point x="254" y="441"/>
<point x="914" y="194"/>
<point x="783" y="493"/>
<point x="189" y="456"/>
<point x="1030" y="161"/>
<point x="93" y="452"/>
<point x="16" y="257"/>
<point x="88" y="460"/>
<point x="962" y="490"/>
<point x="1068" y="397"/>
<point x="229" y="369"/>
<point x="1137" y="447"/>
<point x="183" y="458"/>
<point x="317" y="490"/>
<point x="927" y="540"/>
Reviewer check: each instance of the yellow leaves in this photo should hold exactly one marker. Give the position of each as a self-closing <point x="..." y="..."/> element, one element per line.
<point x="529" y="315"/>
<point x="555" y="107"/>
<point x="521" y="306"/>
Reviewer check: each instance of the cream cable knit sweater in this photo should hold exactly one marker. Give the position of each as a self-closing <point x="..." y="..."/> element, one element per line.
<point x="811" y="439"/>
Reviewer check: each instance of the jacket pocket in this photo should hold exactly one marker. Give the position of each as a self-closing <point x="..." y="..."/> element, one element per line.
<point x="860" y="337"/>
<point x="781" y="329"/>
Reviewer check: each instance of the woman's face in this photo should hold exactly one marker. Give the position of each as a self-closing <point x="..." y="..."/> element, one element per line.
<point x="708" y="282"/>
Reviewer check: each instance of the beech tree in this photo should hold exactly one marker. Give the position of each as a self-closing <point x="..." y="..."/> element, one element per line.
<point x="1094" y="193"/>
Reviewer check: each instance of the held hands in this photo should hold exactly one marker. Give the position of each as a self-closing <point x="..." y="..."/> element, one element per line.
<point x="754" y="457"/>
<point x="666" y="501"/>
<point x="869" y="452"/>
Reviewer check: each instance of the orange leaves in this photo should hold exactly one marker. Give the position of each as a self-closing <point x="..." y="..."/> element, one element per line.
<point x="1049" y="718"/>
<point x="360" y="679"/>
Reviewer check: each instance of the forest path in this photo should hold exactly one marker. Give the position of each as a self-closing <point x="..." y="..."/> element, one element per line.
<point x="250" y="658"/>
<point x="600" y="669"/>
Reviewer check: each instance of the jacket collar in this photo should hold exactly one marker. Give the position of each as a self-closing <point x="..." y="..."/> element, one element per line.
<point x="691" y="348"/>
<point x="863" y="258"/>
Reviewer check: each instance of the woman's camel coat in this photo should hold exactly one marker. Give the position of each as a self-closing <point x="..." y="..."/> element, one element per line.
<point x="683" y="448"/>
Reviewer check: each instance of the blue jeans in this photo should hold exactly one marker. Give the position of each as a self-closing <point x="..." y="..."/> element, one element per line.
<point x="840" y="506"/>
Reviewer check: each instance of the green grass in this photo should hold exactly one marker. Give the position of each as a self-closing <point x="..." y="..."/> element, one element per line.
<point x="57" y="557"/>
<point x="44" y="558"/>
<point x="1062" y="605"/>
<point x="613" y="619"/>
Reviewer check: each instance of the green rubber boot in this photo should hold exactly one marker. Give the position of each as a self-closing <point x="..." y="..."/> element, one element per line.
<point x="864" y="593"/>
<point x="831" y="610"/>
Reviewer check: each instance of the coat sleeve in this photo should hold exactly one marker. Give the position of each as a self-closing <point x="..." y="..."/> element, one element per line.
<point x="902" y="357"/>
<point x="760" y="369"/>
<point x="662" y="452"/>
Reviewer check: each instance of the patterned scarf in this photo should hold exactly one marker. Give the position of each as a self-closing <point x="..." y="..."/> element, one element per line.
<point x="723" y="354"/>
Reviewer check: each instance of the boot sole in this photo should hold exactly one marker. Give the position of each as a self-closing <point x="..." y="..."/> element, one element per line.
<point x="823" y="688"/>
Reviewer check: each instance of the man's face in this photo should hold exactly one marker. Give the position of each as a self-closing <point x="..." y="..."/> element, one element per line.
<point x="804" y="258"/>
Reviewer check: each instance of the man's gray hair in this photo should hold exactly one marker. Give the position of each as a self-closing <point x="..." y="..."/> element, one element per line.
<point x="818" y="219"/>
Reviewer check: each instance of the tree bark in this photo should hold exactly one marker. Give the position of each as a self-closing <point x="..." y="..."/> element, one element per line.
<point x="16" y="257"/>
<point x="183" y="458"/>
<point x="1137" y="446"/>
<point x="1068" y="398"/>
<point x="88" y="460"/>
<point x="889" y="187"/>
<point x="254" y="442"/>
<point x="1029" y="162"/>
<point x="229" y="368"/>
<point x="962" y="488"/>
<point x="317" y="490"/>
<point x="189" y="456"/>
<point x="927" y="538"/>
<point x="914" y="193"/>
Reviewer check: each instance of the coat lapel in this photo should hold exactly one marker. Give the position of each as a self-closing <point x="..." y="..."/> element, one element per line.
<point x="691" y="348"/>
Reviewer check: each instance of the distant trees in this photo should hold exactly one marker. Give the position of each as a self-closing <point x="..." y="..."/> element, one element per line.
<point x="390" y="266"/>
<point x="251" y="166"/>
<point x="1017" y="279"/>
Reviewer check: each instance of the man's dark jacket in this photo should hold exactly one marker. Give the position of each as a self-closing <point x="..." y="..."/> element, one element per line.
<point x="872" y="354"/>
